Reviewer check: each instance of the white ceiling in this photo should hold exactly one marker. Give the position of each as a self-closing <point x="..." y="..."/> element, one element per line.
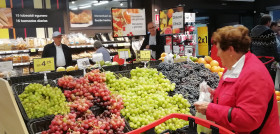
<point x="89" y="4"/>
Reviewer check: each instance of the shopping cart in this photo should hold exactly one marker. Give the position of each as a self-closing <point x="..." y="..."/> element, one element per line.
<point x="193" y="121"/>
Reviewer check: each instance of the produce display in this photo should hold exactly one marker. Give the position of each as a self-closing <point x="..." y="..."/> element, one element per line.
<point x="188" y="76"/>
<point x="211" y="64"/>
<point x="277" y="95"/>
<point x="83" y="93"/>
<point x="146" y="99"/>
<point x="39" y="101"/>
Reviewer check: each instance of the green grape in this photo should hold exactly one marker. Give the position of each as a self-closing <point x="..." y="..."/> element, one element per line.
<point x="39" y="101"/>
<point x="146" y="99"/>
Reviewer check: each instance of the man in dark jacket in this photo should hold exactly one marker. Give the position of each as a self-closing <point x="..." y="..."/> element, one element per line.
<point x="61" y="52"/>
<point x="153" y="41"/>
<point x="264" y="41"/>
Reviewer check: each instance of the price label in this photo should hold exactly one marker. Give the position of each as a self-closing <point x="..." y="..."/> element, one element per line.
<point x="143" y="55"/>
<point x="124" y="53"/>
<point x="83" y="63"/>
<point x="96" y="57"/>
<point x="176" y="49"/>
<point x="167" y="49"/>
<point x="188" y="51"/>
<point x="6" y="65"/>
<point x="43" y="64"/>
<point x="32" y="50"/>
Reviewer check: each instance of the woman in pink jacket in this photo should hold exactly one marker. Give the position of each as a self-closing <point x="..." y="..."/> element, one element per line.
<point x="245" y="100"/>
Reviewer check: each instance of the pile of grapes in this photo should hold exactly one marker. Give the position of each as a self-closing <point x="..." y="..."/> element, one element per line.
<point x="187" y="76"/>
<point x="146" y="99"/>
<point x="83" y="93"/>
<point x="39" y="101"/>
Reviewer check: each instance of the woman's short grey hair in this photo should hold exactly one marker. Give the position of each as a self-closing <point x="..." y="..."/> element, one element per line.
<point x="97" y="44"/>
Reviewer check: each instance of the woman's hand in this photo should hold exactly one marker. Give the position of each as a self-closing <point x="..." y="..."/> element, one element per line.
<point x="211" y="91"/>
<point x="201" y="106"/>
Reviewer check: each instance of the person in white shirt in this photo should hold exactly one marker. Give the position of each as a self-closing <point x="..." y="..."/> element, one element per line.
<point x="61" y="52"/>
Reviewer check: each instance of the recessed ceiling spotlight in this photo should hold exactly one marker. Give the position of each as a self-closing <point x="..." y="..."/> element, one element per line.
<point x="73" y="2"/>
<point x="121" y="4"/>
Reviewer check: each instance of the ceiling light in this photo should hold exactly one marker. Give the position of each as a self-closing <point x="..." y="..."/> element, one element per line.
<point x="121" y="4"/>
<point x="73" y="2"/>
<point x="101" y="3"/>
<point x="85" y="7"/>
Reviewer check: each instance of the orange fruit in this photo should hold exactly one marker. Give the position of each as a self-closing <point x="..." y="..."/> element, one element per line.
<point x="207" y="66"/>
<point x="220" y="74"/>
<point x="208" y="59"/>
<point x="214" y="63"/>
<point x="277" y="93"/>
<point x="222" y="69"/>
<point x="278" y="98"/>
<point x="215" y="69"/>
<point x="201" y="60"/>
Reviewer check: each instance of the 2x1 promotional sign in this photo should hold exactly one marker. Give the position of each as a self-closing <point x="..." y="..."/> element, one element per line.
<point x="202" y="33"/>
<point x="32" y="18"/>
<point x="43" y="64"/>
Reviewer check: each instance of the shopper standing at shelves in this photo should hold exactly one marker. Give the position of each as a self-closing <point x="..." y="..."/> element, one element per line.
<point x="264" y="42"/>
<point x="275" y="27"/>
<point x="245" y="100"/>
<point x="153" y="41"/>
<point x="100" y="49"/>
<point x="61" y="52"/>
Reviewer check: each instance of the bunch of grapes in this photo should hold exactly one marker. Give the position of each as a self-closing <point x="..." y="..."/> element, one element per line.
<point x="146" y="99"/>
<point x="82" y="95"/>
<point x="39" y="101"/>
<point x="187" y="76"/>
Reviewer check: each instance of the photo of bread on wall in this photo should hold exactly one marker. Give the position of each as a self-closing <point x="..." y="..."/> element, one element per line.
<point x="6" y="20"/>
<point x="81" y="17"/>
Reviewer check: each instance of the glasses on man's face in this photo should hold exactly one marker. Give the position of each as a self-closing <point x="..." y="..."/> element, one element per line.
<point x="152" y="27"/>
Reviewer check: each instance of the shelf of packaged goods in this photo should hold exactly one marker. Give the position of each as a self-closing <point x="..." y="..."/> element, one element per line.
<point x="21" y="64"/>
<point x="112" y="42"/>
<point x="113" y="53"/>
<point x="14" y="51"/>
<point x="117" y="45"/>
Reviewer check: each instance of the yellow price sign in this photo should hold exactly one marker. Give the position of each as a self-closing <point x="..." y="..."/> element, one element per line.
<point x="43" y="64"/>
<point x="124" y="53"/>
<point x="145" y="55"/>
<point x="32" y="50"/>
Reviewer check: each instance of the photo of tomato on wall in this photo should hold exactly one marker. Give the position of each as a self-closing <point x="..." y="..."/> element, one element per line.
<point x="171" y="21"/>
<point x="128" y="22"/>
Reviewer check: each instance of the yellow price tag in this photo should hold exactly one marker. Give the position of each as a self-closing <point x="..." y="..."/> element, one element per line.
<point x="145" y="55"/>
<point x="43" y="64"/>
<point x="32" y="50"/>
<point x="124" y="53"/>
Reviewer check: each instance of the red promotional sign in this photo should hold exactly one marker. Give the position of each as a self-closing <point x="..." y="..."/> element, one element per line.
<point x="156" y="18"/>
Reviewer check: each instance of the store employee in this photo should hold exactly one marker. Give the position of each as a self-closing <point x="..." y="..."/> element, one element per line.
<point x="61" y="52"/>
<point x="153" y="41"/>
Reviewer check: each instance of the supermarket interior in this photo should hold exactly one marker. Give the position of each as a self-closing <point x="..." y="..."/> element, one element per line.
<point x="139" y="66"/>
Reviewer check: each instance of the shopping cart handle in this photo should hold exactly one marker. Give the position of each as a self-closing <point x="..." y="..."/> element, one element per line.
<point x="185" y="117"/>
